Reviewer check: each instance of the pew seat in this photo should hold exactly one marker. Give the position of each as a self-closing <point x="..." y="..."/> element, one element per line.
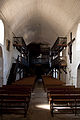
<point x="67" y="101"/>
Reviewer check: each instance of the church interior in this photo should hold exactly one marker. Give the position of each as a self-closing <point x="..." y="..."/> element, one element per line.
<point x="39" y="59"/>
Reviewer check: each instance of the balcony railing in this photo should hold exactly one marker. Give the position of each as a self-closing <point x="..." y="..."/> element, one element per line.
<point x="40" y="61"/>
<point x="59" y="61"/>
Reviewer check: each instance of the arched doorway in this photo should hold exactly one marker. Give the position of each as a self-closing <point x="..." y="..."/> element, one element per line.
<point x="78" y="76"/>
<point x="1" y="67"/>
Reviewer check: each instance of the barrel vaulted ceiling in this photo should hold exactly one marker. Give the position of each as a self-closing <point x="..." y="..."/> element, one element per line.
<point x="40" y="20"/>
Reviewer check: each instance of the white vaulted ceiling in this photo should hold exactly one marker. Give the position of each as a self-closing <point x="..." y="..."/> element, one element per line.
<point x="40" y="20"/>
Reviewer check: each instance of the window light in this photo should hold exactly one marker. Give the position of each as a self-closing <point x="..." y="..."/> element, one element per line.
<point x="1" y="32"/>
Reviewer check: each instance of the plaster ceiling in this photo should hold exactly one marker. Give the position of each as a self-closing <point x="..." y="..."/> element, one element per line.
<point x="40" y="20"/>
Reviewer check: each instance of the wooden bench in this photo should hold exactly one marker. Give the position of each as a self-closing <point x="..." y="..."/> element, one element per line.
<point x="65" y="100"/>
<point x="50" y="82"/>
<point x="28" y="81"/>
<point x="56" y="88"/>
<point x="16" y="97"/>
<point x="17" y="87"/>
<point x="13" y="103"/>
<point x="14" y="100"/>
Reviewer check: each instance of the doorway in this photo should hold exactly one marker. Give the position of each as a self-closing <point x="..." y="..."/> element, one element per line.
<point x="78" y="76"/>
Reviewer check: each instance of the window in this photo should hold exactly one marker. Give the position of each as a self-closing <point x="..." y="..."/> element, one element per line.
<point x="55" y="73"/>
<point x="1" y="32"/>
<point x="61" y="53"/>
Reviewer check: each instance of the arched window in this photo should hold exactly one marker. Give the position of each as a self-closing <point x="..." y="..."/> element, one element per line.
<point x="1" y="32"/>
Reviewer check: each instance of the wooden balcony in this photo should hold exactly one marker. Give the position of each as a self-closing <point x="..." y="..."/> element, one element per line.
<point x="59" y="44"/>
<point x="59" y="63"/>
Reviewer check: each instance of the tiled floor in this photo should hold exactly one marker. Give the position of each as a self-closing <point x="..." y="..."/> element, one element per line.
<point x="39" y="108"/>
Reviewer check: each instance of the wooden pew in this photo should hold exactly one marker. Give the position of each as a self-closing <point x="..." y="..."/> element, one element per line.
<point x="14" y="99"/>
<point x="16" y="87"/>
<point x="61" y="96"/>
<point x="28" y="81"/>
<point x="13" y="103"/>
<point x="66" y="100"/>
<point x="58" y="88"/>
<point x="50" y="82"/>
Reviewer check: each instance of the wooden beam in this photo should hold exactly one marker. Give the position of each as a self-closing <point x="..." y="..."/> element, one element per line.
<point x="18" y="44"/>
<point x="63" y="45"/>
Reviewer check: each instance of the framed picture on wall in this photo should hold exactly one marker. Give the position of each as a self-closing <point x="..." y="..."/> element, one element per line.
<point x="8" y="45"/>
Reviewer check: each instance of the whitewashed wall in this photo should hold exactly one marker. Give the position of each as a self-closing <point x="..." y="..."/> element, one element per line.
<point x="71" y="77"/>
<point x="7" y="55"/>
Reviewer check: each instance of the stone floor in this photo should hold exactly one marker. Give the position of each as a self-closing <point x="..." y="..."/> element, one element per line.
<point x="39" y="108"/>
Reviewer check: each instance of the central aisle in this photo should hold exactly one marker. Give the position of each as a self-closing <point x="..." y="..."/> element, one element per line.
<point x="39" y="108"/>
